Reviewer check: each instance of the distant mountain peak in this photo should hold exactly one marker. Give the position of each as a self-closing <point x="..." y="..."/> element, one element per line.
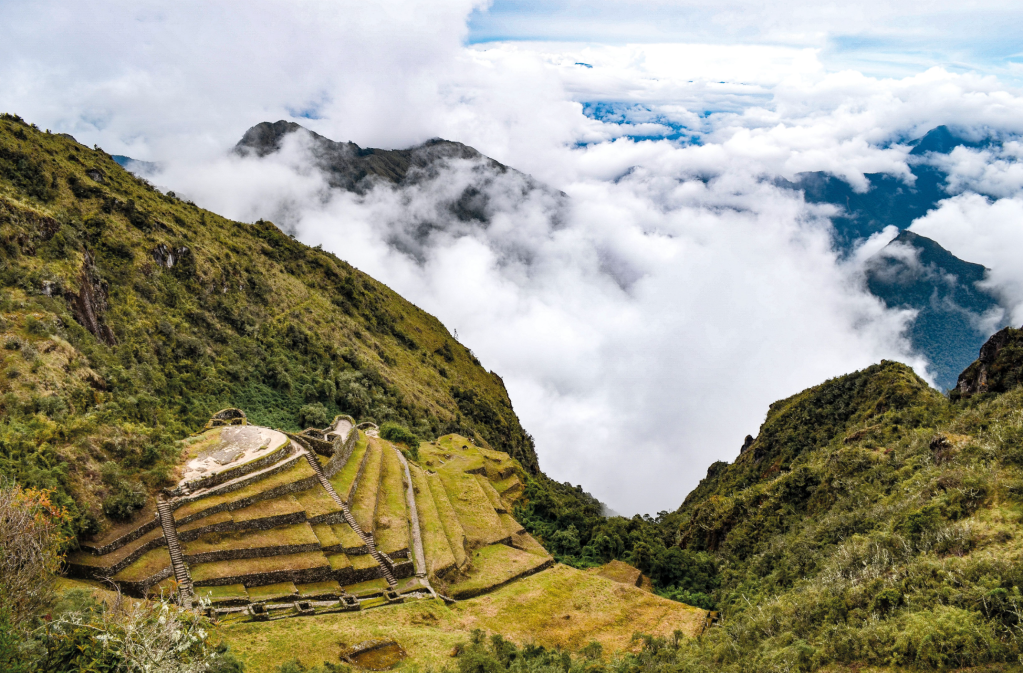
<point x="353" y="168"/>
<point x="943" y="289"/>
<point x="942" y="140"/>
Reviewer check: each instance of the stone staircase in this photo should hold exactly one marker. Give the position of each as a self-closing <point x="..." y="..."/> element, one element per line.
<point x="177" y="558"/>
<point x="382" y="561"/>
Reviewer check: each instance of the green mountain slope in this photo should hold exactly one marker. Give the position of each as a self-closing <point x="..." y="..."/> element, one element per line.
<point x="129" y="316"/>
<point x="871" y="521"/>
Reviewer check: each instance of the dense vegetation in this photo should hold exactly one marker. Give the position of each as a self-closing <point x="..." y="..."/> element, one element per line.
<point x="128" y="316"/>
<point x="871" y="521"/>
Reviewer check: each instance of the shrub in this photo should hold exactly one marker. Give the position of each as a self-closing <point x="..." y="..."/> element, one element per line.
<point x="313" y="415"/>
<point x="945" y="637"/>
<point x="395" y="432"/>
<point x="125" y="499"/>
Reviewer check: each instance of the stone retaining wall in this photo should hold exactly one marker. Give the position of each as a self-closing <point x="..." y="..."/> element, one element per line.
<point x="236" y="554"/>
<point x="234" y="472"/>
<point x="265" y="523"/>
<point x="341" y="454"/>
<point x="88" y="572"/>
<point x="403" y="570"/>
<point x="339" y="417"/>
<point x="318" y="444"/>
<point x="349" y="576"/>
<point x="140" y="588"/>
<point x="247" y="480"/>
<point x="358" y="477"/>
<point x="303" y="576"/>
<point x="283" y="489"/>
<point x="130" y="536"/>
<point x="349" y="551"/>
<point x="329" y="517"/>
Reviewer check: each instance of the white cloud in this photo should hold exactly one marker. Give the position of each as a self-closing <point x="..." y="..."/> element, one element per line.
<point x="644" y="330"/>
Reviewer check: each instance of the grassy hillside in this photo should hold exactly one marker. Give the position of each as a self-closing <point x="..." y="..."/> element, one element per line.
<point x="127" y="316"/>
<point x="871" y="521"/>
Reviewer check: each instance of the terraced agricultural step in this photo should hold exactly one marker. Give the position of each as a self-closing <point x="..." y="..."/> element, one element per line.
<point x="449" y="519"/>
<point x="364" y="503"/>
<point x="440" y="560"/>
<point x="418" y="556"/>
<point x="391" y="521"/>
<point x="385" y="565"/>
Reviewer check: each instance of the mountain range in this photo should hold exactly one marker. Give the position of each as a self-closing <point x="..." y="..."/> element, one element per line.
<point x="954" y="313"/>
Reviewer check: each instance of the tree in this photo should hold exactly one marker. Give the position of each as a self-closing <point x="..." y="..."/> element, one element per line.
<point x="31" y="551"/>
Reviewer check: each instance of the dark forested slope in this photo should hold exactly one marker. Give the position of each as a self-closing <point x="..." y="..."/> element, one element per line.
<point x="128" y="316"/>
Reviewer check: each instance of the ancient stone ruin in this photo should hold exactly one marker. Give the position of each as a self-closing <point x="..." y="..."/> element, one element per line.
<point x="265" y="524"/>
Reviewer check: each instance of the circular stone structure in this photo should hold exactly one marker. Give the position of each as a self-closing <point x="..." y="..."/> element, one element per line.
<point x="227" y="447"/>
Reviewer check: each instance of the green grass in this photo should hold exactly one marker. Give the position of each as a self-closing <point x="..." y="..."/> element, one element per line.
<point x="510" y="487"/>
<point x="448" y="518"/>
<point x="314" y="589"/>
<point x="300" y="470"/>
<point x="526" y="542"/>
<point x="493" y="566"/>
<point x="316" y="502"/>
<point x="345" y="478"/>
<point x="227" y="592"/>
<point x="364" y="504"/>
<point x="325" y="534"/>
<point x="281" y="536"/>
<point x="410" y="584"/>
<point x="264" y="509"/>
<point x="145" y="566"/>
<point x="391" y="530"/>
<point x="367" y="587"/>
<point x="453" y="453"/>
<point x="211" y="520"/>
<point x="270" y="592"/>
<point x="532" y="610"/>
<point x="203" y="572"/>
<point x="347" y="536"/>
<point x="511" y="526"/>
<point x="436" y="548"/>
<point x="492" y="495"/>
<point x="362" y="561"/>
<point x="480" y="522"/>
<point x="339" y="561"/>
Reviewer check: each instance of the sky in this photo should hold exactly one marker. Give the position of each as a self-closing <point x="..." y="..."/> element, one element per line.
<point x="643" y="322"/>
